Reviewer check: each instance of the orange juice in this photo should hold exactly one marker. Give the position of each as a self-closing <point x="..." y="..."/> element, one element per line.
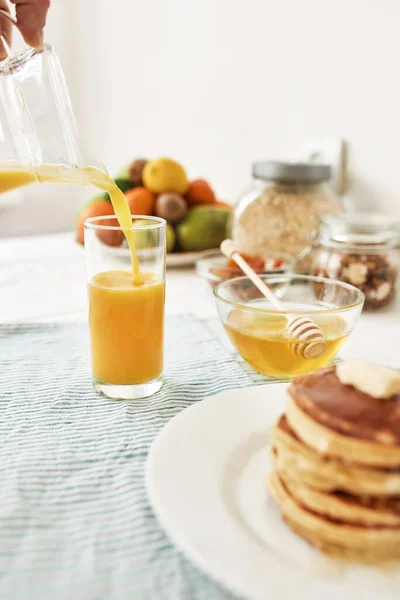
<point x="11" y="179"/>
<point x="126" y="327"/>
<point x="13" y="176"/>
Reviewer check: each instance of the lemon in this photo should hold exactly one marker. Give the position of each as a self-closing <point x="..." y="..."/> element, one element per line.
<point x="165" y="175"/>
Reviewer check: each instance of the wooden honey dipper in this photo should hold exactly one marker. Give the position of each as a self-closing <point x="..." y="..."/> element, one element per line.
<point x="312" y="342"/>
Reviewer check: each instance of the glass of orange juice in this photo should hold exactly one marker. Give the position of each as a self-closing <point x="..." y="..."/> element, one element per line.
<point x="126" y="288"/>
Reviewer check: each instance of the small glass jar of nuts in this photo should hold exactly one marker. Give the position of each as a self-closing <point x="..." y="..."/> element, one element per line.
<point x="361" y="249"/>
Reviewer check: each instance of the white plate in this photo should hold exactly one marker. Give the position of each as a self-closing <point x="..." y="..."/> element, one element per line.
<point x="205" y="481"/>
<point x="174" y="259"/>
<point x="186" y="259"/>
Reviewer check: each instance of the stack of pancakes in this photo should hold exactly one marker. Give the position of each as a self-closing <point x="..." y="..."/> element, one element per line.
<point x="336" y="478"/>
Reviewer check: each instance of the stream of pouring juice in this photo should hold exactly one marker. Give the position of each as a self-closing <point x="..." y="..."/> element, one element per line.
<point x="16" y="177"/>
<point x="126" y="308"/>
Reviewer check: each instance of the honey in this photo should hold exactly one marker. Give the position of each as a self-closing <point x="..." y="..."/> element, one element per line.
<point x="263" y="342"/>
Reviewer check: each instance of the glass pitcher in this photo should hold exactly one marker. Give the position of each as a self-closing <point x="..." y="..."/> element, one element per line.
<point x="38" y="131"/>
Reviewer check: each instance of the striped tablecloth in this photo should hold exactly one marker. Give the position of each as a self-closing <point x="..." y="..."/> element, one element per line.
<point x="75" y="522"/>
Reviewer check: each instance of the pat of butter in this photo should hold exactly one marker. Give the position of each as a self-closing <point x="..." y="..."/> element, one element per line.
<point x="374" y="380"/>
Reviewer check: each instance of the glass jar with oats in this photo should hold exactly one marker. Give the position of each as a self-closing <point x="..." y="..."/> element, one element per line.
<point x="282" y="208"/>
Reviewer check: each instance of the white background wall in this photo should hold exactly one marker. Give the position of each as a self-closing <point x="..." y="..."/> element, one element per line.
<point x="219" y="83"/>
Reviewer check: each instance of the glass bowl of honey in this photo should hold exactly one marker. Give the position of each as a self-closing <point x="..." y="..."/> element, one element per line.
<point x="260" y="334"/>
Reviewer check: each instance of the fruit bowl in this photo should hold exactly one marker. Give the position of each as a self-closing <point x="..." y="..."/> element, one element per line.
<point x="197" y="220"/>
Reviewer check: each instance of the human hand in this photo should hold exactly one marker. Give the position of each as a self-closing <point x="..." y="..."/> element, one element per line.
<point x="31" y="19"/>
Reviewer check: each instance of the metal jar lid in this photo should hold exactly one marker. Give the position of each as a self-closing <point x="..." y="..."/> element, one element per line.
<point x="359" y="232"/>
<point x="291" y="172"/>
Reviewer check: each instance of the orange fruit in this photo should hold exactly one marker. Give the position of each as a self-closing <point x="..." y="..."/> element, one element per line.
<point x="141" y="201"/>
<point x="200" y="192"/>
<point x="95" y="208"/>
<point x="111" y="237"/>
<point x="223" y="204"/>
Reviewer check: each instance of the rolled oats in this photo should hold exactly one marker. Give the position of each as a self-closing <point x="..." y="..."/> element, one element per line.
<point x="283" y="217"/>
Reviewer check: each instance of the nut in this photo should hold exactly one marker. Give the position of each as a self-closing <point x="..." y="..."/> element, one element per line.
<point x="333" y="265"/>
<point x="383" y="290"/>
<point x="357" y="273"/>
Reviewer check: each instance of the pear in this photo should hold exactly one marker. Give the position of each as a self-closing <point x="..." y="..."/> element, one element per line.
<point x="171" y="238"/>
<point x="203" y="228"/>
<point x="148" y="237"/>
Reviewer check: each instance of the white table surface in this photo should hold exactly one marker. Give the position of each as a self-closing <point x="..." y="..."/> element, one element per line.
<point x="42" y="278"/>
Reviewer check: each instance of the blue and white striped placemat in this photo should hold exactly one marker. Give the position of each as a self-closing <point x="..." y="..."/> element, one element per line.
<point x="75" y="521"/>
